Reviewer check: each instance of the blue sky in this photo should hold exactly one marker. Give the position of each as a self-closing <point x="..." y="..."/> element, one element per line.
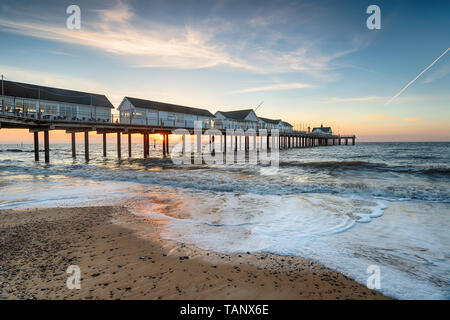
<point x="309" y="61"/>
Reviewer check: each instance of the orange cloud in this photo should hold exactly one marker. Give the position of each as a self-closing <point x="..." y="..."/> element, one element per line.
<point x="412" y="119"/>
<point x="380" y="117"/>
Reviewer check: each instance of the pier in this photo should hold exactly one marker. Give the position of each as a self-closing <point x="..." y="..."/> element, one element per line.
<point x="43" y="109"/>
<point x="291" y="140"/>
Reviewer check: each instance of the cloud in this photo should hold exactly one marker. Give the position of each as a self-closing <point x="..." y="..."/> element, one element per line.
<point x="277" y="87"/>
<point x="412" y="119"/>
<point x="380" y="117"/>
<point x="207" y="43"/>
<point x="355" y="99"/>
<point x="438" y="74"/>
<point x="163" y="45"/>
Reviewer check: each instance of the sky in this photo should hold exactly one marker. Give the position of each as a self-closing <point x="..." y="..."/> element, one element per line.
<point x="309" y="62"/>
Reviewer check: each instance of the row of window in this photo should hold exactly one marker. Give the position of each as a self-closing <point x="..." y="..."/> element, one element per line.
<point x="19" y="105"/>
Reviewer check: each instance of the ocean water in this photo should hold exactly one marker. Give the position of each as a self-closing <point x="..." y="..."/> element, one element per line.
<point x="349" y="207"/>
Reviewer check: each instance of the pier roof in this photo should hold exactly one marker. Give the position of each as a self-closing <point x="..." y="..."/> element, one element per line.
<point x="237" y="114"/>
<point x="272" y="121"/>
<point x="32" y="91"/>
<point x="287" y="124"/>
<point x="162" y="106"/>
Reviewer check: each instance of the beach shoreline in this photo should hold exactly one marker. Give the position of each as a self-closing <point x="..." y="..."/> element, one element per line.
<point x="122" y="256"/>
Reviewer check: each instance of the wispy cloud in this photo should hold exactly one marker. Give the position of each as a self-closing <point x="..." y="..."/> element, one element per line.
<point x="277" y="87"/>
<point x="380" y="117"/>
<point x="438" y="74"/>
<point x="355" y="99"/>
<point x="62" y="53"/>
<point x="163" y="45"/>
<point x="148" y="44"/>
<point x="412" y="119"/>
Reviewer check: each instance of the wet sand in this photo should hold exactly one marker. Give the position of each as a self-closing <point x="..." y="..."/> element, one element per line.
<point x="122" y="256"/>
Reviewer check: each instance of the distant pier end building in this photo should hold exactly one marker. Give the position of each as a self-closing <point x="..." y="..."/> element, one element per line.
<point x="323" y="130"/>
<point x="47" y="103"/>
<point x="153" y="113"/>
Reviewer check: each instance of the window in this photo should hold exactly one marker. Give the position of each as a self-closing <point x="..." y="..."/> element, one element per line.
<point x="152" y="115"/>
<point x="8" y="104"/>
<point x="19" y="107"/>
<point x="49" y="108"/>
<point x="68" y="110"/>
<point x="180" y="117"/>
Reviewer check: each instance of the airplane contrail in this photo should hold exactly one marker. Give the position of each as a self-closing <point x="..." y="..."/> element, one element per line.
<point x="412" y="81"/>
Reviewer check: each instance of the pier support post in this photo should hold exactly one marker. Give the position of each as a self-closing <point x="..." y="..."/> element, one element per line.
<point x="225" y="142"/>
<point x="36" y="145"/>
<point x="164" y="145"/>
<point x="346" y="141"/>
<point x="144" y="144"/>
<point x="46" y="146"/>
<point x="74" y="151"/>
<point x="86" y="145"/>
<point x="353" y="141"/>
<point x="119" y="146"/>
<point x="167" y="144"/>
<point x="129" y="145"/>
<point x="104" y="144"/>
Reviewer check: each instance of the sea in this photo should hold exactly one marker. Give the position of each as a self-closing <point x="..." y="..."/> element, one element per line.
<point x="370" y="211"/>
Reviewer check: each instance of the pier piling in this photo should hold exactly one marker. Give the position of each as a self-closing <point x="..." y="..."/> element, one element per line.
<point x="46" y="146"/>
<point x="36" y="146"/>
<point x="104" y="144"/>
<point x="129" y="145"/>
<point x="119" y="146"/>
<point x="86" y="145"/>
<point x="74" y="150"/>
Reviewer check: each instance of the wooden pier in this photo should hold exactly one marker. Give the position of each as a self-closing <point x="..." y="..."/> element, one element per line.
<point x="286" y="140"/>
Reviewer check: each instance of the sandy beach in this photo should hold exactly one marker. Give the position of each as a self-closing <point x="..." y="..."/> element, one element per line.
<point x="122" y="256"/>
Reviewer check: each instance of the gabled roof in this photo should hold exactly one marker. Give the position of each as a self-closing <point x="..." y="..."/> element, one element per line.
<point x="287" y="124"/>
<point x="237" y="115"/>
<point x="161" y="106"/>
<point x="272" y="121"/>
<point x="31" y="91"/>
